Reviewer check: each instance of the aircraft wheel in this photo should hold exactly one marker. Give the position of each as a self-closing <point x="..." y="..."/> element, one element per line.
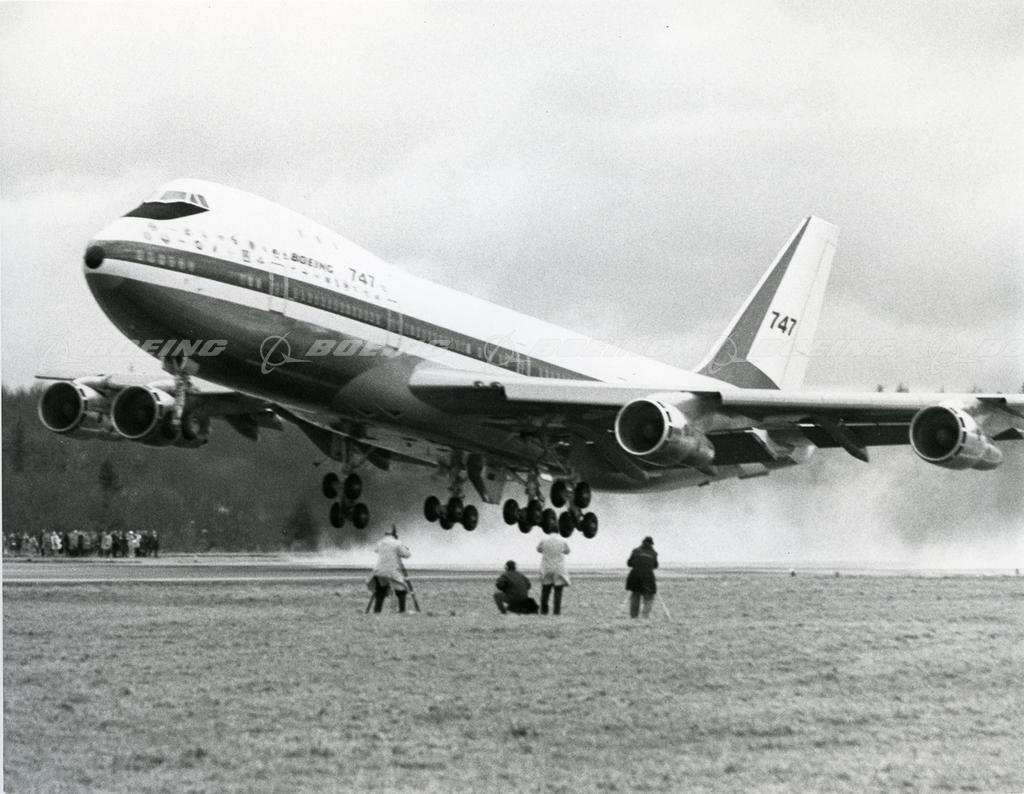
<point x="559" y="493"/>
<point x="454" y="509"/>
<point x="510" y="511"/>
<point x="191" y="427"/>
<point x="524" y="522"/>
<point x="361" y="516"/>
<point x="432" y="508"/>
<point x="167" y="428"/>
<point x="549" y="521"/>
<point x="353" y="487"/>
<point x="535" y="511"/>
<point x="337" y="516"/>
<point x="445" y="521"/>
<point x="470" y="517"/>
<point x="582" y="496"/>
<point x="565" y="525"/>
<point x="589" y="526"/>
<point x="330" y="485"/>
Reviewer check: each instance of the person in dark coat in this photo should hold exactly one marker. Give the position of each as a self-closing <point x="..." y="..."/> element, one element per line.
<point x="512" y="593"/>
<point x="640" y="581"/>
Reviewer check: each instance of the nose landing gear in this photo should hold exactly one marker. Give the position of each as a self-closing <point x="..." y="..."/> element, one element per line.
<point x="346" y="495"/>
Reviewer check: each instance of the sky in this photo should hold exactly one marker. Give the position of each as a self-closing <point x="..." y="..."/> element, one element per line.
<point x="626" y="169"/>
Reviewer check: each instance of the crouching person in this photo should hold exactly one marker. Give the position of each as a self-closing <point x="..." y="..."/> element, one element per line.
<point x="513" y="592"/>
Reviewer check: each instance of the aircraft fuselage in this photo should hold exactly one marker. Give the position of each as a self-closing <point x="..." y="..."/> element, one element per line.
<point x="293" y="313"/>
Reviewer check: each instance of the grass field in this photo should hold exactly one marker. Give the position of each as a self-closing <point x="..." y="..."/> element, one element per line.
<point x="763" y="682"/>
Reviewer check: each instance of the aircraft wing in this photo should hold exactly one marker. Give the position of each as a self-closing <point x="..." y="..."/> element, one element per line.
<point x="852" y="421"/>
<point x="855" y="421"/>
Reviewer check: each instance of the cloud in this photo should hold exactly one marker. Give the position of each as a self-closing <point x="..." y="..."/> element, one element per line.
<point x="567" y="154"/>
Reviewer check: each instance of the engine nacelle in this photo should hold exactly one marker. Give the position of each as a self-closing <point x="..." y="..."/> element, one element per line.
<point x="949" y="436"/>
<point x="145" y="414"/>
<point x="73" y="409"/>
<point x="656" y="430"/>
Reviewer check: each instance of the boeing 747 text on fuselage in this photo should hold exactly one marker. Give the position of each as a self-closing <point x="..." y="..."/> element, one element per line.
<point x="259" y="315"/>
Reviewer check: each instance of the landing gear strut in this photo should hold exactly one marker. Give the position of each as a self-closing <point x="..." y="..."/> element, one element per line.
<point x="575" y="498"/>
<point x="346" y="495"/>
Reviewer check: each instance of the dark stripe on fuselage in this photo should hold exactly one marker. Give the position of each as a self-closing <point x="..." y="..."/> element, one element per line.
<point x="282" y="286"/>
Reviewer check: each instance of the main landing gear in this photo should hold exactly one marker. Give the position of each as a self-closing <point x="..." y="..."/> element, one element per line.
<point x="575" y="499"/>
<point x="346" y="495"/>
<point x="454" y="511"/>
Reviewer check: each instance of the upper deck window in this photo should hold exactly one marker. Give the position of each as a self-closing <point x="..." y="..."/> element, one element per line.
<point x="169" y="204"/>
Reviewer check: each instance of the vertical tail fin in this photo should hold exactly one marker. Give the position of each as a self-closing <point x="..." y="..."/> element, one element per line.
<point x="768" y="343"/>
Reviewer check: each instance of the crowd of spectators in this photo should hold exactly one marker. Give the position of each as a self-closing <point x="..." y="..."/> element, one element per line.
<point x="82" y="543"/>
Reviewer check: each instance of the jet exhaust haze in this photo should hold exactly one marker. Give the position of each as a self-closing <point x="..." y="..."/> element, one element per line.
<point x="833" y="512"/>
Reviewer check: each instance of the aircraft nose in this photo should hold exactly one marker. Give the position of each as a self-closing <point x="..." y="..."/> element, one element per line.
<point x="94" y="256"/>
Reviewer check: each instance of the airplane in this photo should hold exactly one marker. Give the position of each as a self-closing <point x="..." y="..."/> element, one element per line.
<point x="259" y="315"/>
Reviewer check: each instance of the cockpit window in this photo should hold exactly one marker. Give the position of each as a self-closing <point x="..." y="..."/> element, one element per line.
<point x="169" y="204"/>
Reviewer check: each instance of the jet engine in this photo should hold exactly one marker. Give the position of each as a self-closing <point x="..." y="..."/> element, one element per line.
<point x="74" y="409"/>
<point x="656" y="429"/>
<point x="949" y="436"/>
<point x="145" y="414"/>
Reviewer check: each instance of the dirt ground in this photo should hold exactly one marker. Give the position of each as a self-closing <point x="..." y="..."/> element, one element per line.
<point x="762" y="682"/>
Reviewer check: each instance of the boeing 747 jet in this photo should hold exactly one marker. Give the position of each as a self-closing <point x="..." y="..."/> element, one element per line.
<point x="259" y="315"/>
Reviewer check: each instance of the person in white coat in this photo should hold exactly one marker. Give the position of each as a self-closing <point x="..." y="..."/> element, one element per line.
<point x="553" y="573"/>
<point x="389" y="573"/>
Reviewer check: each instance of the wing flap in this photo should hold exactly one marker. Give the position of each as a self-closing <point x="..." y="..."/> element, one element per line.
<point x="859" y="406"/>
<point x="478" y="393"/>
